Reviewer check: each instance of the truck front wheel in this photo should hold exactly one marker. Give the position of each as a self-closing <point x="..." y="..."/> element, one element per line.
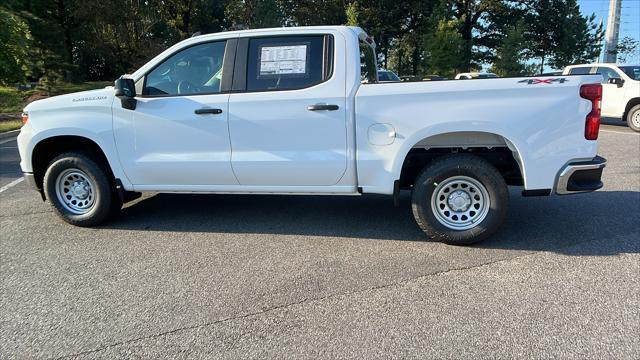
<point x="460" y="199"/>
<point x="79" y="190"/>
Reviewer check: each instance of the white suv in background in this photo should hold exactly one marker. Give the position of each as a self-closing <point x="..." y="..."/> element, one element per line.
<point x="620" y="89"/>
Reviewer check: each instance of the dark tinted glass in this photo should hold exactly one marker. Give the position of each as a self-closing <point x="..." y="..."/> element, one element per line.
<point x="195" y="70"/>
<point x="580" y="71"/>
<point x="285" y="63"/>
<point x="631" y="71"/>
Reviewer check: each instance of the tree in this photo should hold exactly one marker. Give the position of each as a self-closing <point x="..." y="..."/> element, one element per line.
<point x="508" y="61"/>
<point x="579" y="38"/>
<point x="445" y="49"/>
<point x="470" y="16"/>
<point x="15" y="41"/>
<point x="254" y="14"/>
<point x="352" y="14"/>
<point x="314" y="12"/>
<point x="559" y="34"/>
<point x="626" y="48"/>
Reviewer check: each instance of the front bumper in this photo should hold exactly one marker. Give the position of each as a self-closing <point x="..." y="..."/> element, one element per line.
<point x="581" y="176"/>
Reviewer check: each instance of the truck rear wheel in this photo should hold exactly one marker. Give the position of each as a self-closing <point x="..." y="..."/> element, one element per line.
<point x="460" y="199"/>
<point x="633" y="118"/>
<point x="79" y="190"/>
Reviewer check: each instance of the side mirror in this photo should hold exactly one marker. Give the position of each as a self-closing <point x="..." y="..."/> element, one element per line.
<point x="616" y="81"/>
<point x="125" y="90"/>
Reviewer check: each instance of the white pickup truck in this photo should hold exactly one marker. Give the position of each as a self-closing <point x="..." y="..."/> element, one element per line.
<point x="284" y="111"/>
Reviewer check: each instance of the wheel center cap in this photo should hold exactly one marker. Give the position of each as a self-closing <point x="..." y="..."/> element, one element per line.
<point x="80" y="190"/>
<point x="459" y="200"/>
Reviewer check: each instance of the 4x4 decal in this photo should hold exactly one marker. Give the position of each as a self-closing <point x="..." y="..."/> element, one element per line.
<point x="544" y="81"/>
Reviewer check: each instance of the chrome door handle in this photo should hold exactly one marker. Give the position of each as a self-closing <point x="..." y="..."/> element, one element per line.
<point x="318" y="107"/>
<point x="208" y="111"/>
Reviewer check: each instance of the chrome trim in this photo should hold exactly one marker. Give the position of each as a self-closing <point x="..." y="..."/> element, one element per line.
<point x="568" y="170"/>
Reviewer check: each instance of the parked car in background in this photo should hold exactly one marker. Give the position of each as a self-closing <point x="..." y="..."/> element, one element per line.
<point x="620" y="89"/>
<point x="433" y="78"/>
<point x="475" y="75"/>
<point x="387" y="76"/>
<point x="410" y="78"/>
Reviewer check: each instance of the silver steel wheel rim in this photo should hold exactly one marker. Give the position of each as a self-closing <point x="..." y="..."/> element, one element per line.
<point x="635" y="118"/>
<point x="75" y="191"/>
<point x="460" y="202"/>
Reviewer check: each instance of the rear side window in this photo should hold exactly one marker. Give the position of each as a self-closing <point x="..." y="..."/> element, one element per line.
<point x="580" y="71"/>
<point x="288" y="63"/>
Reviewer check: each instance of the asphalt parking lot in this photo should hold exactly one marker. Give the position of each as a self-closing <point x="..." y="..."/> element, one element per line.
<point x="221" y="276"/>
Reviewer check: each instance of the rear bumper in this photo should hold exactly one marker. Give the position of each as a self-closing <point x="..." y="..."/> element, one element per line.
<point x="581" y="176"/>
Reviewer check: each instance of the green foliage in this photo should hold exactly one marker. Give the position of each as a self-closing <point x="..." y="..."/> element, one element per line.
<point x="559" y="35"/>
<point x="254" y="14"/>
<point x="352" y="14"/>
<point x="509" y="58"/>
<point x="8" y="125"/>
<point x="15" y="41"/>
<point x="12" y="100"/>
<point x="445" y="49"/>
<point x="78" y="40"/>
<point x="626" y="48"/>
<point x="313" y="12"/>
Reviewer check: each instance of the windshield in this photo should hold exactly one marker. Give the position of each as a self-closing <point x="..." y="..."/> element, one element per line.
<point x="632" y="71"/>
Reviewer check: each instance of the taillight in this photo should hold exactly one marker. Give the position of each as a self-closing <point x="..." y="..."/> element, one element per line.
<point x="25" y="118"/>
<point x="592" y="92"/>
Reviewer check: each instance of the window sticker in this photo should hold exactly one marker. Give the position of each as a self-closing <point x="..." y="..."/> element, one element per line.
<point x="283" y="60"/>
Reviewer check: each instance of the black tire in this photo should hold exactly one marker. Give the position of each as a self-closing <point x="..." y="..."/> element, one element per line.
<point x="634" y="111"/>
<point x="459" y="166"/>
<point x="105" y="201"/>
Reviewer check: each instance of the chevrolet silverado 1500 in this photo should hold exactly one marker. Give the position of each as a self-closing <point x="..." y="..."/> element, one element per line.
<point x="299" y="111"/>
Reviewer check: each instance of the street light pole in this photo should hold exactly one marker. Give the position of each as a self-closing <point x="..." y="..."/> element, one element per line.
<point x="613" y="30"/>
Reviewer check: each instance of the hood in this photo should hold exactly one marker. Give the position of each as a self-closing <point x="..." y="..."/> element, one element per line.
<point x="90" y="98"/>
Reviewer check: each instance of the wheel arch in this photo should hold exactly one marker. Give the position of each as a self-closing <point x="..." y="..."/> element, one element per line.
<point x="630" y="104"/>
<point x="441" y="143"/>
<point x="47" y="149"/>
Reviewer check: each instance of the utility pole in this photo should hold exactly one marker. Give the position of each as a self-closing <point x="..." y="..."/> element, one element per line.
<point x="613" y="30"/>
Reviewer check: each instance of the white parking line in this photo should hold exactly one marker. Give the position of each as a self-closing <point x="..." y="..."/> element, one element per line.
<point x="619" y="132"/>
<point x="11" y="184"/>
<point x="7" y="140"/>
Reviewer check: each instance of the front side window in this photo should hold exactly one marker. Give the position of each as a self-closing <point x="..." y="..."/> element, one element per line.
<point x="192" y="71"/>
<point x="580" y="71"/>
<point x="607" y="74"/>
<point x="287" y="63"/>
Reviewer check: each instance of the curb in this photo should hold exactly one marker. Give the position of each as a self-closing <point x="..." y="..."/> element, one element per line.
<point x="9" y="134"/>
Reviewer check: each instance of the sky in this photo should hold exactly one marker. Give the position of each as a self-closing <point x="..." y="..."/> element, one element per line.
<point x="629" y="22"/>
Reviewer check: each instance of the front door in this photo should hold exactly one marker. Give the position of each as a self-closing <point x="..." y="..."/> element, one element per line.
<point x="178" y="134"/>
<point x="287" y="114"/>
<point x="612" y="95"/>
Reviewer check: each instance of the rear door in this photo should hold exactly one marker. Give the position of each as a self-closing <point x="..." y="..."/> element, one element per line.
<point x="287" y="119"/>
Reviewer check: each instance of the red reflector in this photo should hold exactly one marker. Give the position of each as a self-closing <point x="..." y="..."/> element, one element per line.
<point x="592" y="92"/>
